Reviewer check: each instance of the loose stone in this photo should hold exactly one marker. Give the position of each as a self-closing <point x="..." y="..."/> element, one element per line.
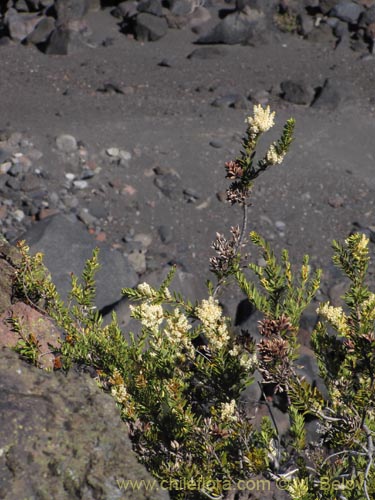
<point x="66" y="143"/>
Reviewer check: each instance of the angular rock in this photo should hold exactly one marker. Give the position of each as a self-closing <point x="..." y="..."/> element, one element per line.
<point x="165" y="233"/>
<point x="322" y="34"/>
<point x="62" y="437"/>
<point x="169" y="184"/>
<point x="125" y="9"/>
<point x="149" y="27"/>
<point x="70" y="10"/>
<point x="20" y="25"/>
<point x="327" y="5"/>
<point x="199" y="18"/>
<point x="296" y="92"/>
<point x="182" y="7"/>
<point x="237" y="28"/>
<point x="67" y="245"/>
<point x="64" y="41"/>
<point x="41" y="31"/>
<point x="236" y="101"/>
<point x="328" y="96"/>
<point x="305" y="24"/>
<point x="151" y="7"/>
<point x="367" y="17"/>
<point x="347" y="11"/>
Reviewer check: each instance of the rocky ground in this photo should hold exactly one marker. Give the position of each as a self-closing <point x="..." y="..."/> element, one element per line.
<point x="130" y="137"/>
<point x="116" y="121"/>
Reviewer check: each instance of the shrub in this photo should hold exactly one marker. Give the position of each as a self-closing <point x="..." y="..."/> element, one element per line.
<point x="179" y="382"/>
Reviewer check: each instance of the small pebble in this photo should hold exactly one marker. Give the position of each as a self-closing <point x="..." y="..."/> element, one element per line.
<point x="66" y="143"/>
<point x="113" y="152"/>
<point x="216" y="144"/>
<point x="80" y="184"/>
<point x="69" y="176"/>
<point x="125" y="155"/>
<point x="87" y="173"/>
<point x="165" y="233"/>
<point x="19" y="215"/>
<point x="138" y="261"/>
<point x="85" y="217"/>
<point x="280" y="225"/>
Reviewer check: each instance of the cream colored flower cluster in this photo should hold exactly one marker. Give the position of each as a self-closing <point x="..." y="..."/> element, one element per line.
<point x="150" y="315"/>
<point x="228" y="411"/>
<point x="272" y="157"/>
<point x="336" y="316"/>
<point x="215" y="328"/>
<point x="361" y="250"/>
<point x="261" y="121"/>
<point x="176" y="331"/>
<point x="120" y="394"/>
<point x="146" y="290"/>
<point x="246" y="360"/>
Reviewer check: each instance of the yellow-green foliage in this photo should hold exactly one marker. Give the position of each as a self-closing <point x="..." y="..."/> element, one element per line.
<point x="179" y="382"/>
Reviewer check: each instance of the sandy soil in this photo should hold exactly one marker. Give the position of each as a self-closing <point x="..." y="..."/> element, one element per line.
<point x="165" y="118"/>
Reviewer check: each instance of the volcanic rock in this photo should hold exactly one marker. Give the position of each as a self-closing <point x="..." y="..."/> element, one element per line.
<point x="297" y="92"/>
<point x="62" y="437"/>
<point x="347" y="11"/>
<point x="237" y="28"/>
<point x="149" y="27"/>
<point x="66" y="246"/>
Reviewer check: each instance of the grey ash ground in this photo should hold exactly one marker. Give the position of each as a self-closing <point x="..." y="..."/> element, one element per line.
<point x="154" y="122"/>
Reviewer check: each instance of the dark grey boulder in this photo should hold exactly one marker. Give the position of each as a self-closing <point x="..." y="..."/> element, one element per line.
<point x="169" y="183"/>
<point x="305" y="24"/>
<point x="61" y="437"/>
<point x="70" y="10"/>
<point x="296" y="92"/>
<point x="347" y="11"/>
<point x="236" y="101"/>
<point x="64" y="41"/>
<point x="367" y="17"/>
<point x="149" y="27"/>
<point x="237" y="28"/>
<point x="181" y="7"/>
<point x="67" y="245"/>
<point x="328" y="96"/>
<point x="41" y="31"/>
<point x="20" y="25"/>
<point x="151" y="7"/>
<point x="327" y="5"/>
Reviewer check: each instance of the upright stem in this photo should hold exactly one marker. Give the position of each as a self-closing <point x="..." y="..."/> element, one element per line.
<point x="244" y="225"/>
<point x="238" y="246"/>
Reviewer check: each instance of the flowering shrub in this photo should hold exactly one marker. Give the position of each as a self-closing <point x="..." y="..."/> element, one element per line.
<point x="179" y="382"/>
